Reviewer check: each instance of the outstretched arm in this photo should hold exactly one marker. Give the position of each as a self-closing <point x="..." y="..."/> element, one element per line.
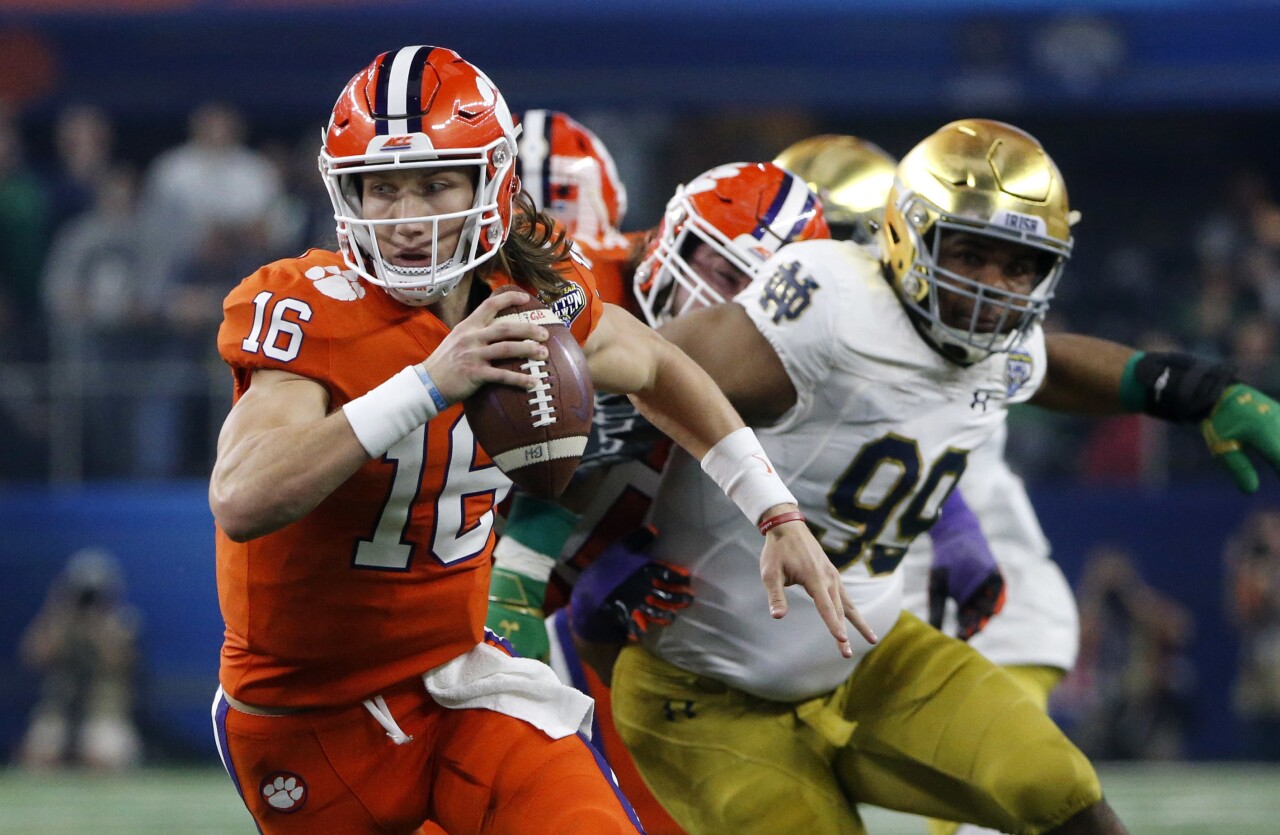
<point x="1083" y="375"/>
<point x="682" y="400"/>
<point x="1094" y="376"/>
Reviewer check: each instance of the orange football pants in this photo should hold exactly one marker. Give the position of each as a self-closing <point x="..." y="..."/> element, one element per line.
<point x="468" y="771"/>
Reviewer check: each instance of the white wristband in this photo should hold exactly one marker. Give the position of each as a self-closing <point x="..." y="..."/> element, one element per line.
<point x="385" y="414"/>
<point x="737" y="463"/>
<point x="523" y="560"/>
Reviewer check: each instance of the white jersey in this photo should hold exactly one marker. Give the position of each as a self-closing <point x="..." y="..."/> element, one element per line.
<point x="880" y="433"/>
<point x="1039" y="624"/>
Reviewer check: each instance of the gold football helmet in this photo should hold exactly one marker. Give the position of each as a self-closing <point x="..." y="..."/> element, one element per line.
<point x="982" y="177"/>
<point x="851" y="175"/>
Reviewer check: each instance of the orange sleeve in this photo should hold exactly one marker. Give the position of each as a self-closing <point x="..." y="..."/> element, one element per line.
<point x="276" y="319"/>
<point x="578" y="303"/>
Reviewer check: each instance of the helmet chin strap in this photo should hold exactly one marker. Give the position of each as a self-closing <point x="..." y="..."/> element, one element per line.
<point x="418" y="296"/>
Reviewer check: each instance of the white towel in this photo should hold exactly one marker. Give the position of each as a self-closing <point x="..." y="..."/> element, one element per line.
<point x="522" y="688"/>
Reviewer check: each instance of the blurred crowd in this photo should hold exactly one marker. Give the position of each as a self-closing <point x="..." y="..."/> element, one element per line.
<point x="112" y="278"/>
<point x="113" y="267"/>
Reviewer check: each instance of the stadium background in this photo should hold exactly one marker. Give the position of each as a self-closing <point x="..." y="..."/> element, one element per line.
<point x="1151" y="108"/>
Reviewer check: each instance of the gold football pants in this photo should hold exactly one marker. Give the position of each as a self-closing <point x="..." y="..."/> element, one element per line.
<point x="1038" y="683"/>
<point x="924" y="725"/>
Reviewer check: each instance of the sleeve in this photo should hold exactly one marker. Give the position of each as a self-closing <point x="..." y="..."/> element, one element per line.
<point x="579" y="304"/>
<point x="272" y="320"/>
<point x="796" y="314"/>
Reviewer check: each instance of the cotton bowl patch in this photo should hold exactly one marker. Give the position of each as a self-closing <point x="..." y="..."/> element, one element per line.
<point x="1017" y="371"/>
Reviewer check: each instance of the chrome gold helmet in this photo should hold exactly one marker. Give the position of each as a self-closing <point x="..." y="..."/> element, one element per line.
<point x="985" y="178"/>
<point x="851" y="175"/>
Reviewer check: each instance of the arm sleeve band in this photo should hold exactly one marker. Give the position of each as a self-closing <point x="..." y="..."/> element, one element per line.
<point x="737" y="464"/>
<point x="383" y="415"/>
<point x="1176" y="387"/>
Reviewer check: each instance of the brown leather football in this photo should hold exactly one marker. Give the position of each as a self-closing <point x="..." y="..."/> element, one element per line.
<point x="537" y="437"/>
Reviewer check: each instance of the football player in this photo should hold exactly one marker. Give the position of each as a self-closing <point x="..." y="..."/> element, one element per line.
<point x="359" y="691"/>
<point x="571" y="175"/>
<point x="1036" y="636"/>
<point x="707" y="250"/>
<point x="876" y="378"/>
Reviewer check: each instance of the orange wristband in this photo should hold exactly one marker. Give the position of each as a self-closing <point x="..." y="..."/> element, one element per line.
<point x="774" y="521"/>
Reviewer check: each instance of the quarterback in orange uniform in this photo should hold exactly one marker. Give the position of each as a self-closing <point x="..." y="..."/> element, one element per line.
<point x="359" y="692"/>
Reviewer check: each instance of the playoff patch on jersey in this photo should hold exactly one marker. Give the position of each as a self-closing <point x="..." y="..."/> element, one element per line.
<point x="1017" y="371"/>
<point x="566" y="303"/>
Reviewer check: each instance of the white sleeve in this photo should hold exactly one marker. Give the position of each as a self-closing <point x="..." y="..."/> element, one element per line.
<point x="796" y="314"/>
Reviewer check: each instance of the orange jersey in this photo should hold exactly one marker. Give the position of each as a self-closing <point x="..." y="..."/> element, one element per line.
<point x="611" y="264"/>
<point x="387" y="577"/>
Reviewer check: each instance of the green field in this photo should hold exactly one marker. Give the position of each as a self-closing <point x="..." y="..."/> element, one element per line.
<point x="1164" y="800"/>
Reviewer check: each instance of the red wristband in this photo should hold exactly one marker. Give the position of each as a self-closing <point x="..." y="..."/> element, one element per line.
<point x="774" y="521"/>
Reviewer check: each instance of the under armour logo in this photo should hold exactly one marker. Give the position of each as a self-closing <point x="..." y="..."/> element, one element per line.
<point x="980" y="398"/>
<point x="684" y="706"/>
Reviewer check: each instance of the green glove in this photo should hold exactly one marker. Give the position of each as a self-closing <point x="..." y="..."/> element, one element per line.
<point x="515" y="613"/>
<point x="1243" y="419"/>
<point x="524" y="557"/>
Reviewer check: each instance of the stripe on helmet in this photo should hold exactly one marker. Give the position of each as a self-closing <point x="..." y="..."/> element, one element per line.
<point x="793" y="198"/>
<point x="806" y="214"/>
<point x="399" y="91"/>
<point x="535" y="157"/>
<point x="413" y="104"/>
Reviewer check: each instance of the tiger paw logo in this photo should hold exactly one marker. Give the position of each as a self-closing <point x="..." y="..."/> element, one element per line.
<point x="284" y="791"/>
<point x="343" y="285"/>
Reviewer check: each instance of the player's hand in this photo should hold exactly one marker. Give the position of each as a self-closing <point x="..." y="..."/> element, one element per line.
<point x="623" y="593"/>
<point x="464" y="360"/>
<point x="792" y="557"/>
<point x="964" y="569"/>
<point x="515" y="613"/>
<point x="1244" y="419"/>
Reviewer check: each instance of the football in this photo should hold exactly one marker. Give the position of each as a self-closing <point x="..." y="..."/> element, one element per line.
<point x="537" y="436"/>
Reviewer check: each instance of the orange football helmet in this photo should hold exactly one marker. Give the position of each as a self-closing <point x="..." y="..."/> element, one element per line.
<point x="570" y="174"/>
<point x="421" y="107"/>
<point x="744" y="211"/>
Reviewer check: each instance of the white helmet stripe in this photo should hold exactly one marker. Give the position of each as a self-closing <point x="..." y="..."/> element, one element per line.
<point x="535" y="148"/>
<point x="398" y="89"/>
<point x="783" y="222"/>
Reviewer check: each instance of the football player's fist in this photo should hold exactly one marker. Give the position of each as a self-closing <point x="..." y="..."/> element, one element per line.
<point x="468" y="356"/>
<point x="515" y="613"/>
<point x="1244" y="419"/>
<point x="963" y="570"/>
<point x="621" y="595"/>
